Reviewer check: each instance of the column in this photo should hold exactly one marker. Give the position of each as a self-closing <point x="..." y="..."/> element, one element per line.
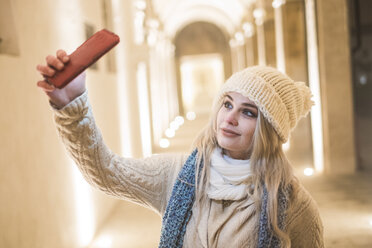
<point x="234" y="57"/>
<point x="127" y="88"/>
<point x="249" y="44"/>
<point x="336" y="86"/>
<point x="240" y="50"/>
<point x="279" y="41"/>
<point x="313" y="69"/>
<point x="259" y="15"/>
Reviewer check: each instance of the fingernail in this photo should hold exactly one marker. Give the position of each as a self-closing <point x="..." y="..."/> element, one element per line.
<point x="60" y="65"/>
<point x="65" y="59"/>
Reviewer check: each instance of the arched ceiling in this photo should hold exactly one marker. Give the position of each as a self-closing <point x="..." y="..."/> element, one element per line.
<point x="175" y="14"/>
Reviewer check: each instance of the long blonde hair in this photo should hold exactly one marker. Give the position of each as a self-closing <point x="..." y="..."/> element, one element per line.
<point x="270" y="167"/>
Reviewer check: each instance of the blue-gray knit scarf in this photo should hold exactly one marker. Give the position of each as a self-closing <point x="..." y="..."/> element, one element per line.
<point x="178" y="211"/>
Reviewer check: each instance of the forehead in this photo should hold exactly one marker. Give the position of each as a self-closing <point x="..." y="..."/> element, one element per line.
<point x="237" y="97"/>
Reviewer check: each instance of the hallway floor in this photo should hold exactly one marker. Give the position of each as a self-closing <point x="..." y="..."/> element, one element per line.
<point x="345" y="204"/>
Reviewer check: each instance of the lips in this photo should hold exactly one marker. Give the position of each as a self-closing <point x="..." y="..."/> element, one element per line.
<point x="229" y="132"/>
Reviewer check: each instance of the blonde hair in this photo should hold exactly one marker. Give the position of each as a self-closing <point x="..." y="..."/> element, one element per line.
<point x="269" y="164"/>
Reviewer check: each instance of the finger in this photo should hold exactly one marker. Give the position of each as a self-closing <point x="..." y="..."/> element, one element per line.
<point x="54" y="62"/>
<point x="45" y="70"/>
<point x="62" y="55"/>
<point x="45" y="86"/>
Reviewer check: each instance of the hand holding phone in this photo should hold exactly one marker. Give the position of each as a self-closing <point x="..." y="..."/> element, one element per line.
<point x="64" y="76"/>
<point x="84" y="56"/>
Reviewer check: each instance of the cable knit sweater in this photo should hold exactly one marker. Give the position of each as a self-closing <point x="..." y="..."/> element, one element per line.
<point x="149" y="182"/>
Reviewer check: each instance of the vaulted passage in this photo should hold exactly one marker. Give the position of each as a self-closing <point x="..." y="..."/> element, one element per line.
<point x="153" y="94"/>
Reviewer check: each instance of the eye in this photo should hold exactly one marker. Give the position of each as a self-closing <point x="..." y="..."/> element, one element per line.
<point x="227" y="105"/>
<point x="249" y="113"/>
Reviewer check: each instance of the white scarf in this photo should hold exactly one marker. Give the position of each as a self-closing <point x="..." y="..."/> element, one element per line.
<point x="227" y="176"/>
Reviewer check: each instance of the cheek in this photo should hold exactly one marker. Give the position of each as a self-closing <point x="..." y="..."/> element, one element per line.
<point x="219" y="118"/>
<point x="249" y="131"/>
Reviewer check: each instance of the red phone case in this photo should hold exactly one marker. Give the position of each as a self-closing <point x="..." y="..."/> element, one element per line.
<point x="84" y="56"/>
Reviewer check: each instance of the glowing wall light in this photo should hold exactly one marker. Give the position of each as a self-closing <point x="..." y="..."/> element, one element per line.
<point x="120" y="27"/>
<point x="286" y="146"/>
<point x="308" y="172"/>
<point x="191" y="116"/>
<point x="187" y="85"/>
<point x="85" y="220"/>
<point x="144" y="109"/>
<point x="70" y="35"/>
<point x="239" y="38"/>
<point x="179" y="120"/>
<point x="313" y="68"/>
<point x="164" y="143"/>
<point x="277" y="3"/>
<point x="248" y="29"/>
<point x="103" y="241"/>
<point x="152" y="31"/>
<point x="259" y="16"/>
<point x="279" y="38"/>
<point x="170" y="133"/>
<point x="139" y="19"/>
<point x="174" y="125"/>
<point x="140" y="4"/>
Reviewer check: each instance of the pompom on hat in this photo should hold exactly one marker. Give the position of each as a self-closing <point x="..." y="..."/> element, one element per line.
<point x="282" y="101"/>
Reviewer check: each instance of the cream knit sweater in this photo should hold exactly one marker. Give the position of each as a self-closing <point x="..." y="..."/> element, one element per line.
<point x="149" y="183"/>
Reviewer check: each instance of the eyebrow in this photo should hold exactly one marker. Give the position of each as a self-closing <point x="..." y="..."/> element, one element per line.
<point x="245" y="103"/>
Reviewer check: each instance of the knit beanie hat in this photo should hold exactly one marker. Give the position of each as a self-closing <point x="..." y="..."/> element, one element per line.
<point x="282" y="101"/>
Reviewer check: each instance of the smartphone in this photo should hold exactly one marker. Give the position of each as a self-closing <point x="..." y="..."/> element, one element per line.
<point x="84" y="56"/>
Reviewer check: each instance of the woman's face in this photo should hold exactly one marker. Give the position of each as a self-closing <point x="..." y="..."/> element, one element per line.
<point x="236" y="123"/>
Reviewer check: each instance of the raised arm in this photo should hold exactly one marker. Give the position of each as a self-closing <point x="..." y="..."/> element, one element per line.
<point x="144" y="181"/>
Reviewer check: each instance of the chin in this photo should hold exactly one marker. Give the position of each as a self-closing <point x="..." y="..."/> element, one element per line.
<point x="233" y="146"/>
<point x="227" y="145"/>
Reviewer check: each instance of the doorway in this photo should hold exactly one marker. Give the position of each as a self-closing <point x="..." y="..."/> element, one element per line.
<point x="201" y="77"/>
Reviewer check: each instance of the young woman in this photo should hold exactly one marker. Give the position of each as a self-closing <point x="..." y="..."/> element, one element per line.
<point x="235" y="189"/>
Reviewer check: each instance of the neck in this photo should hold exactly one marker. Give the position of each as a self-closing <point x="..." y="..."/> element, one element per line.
<point x="237" y="155"/>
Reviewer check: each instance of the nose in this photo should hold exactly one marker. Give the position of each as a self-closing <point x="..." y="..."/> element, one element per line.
<point x="232" y="118"/>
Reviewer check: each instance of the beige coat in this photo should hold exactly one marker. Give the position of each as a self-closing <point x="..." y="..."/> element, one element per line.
<point x="149" y="183"/>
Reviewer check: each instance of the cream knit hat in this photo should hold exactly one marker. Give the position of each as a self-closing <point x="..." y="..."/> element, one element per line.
<point x="281" y="100"/>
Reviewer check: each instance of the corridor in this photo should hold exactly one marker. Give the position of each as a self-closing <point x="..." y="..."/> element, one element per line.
<point x="153" y="93"/>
